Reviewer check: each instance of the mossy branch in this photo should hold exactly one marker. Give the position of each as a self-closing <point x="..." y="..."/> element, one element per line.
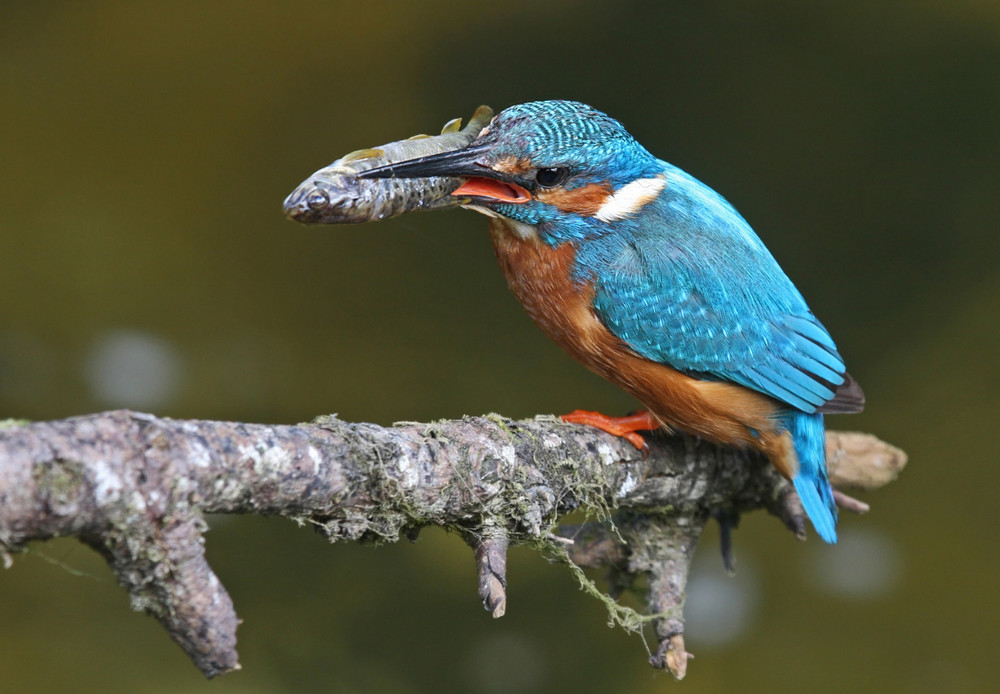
<point x="136" y="486"/>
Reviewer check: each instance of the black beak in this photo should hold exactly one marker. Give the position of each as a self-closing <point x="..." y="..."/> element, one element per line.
<point x="459" y="163"/>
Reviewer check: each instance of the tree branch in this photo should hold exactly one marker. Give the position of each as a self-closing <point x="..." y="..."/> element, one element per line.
<point x="135" y="487"/>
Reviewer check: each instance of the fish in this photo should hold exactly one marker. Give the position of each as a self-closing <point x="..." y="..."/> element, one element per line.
<point x="335" y="195"/>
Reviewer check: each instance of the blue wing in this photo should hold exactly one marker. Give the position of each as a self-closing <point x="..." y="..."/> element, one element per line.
<point x="689" y="284"/>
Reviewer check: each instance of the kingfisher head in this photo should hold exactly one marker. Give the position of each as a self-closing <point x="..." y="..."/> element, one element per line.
<point x="562" y="167"/>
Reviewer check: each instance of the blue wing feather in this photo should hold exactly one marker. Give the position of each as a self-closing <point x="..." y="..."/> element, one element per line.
<point x="688" y="283"/>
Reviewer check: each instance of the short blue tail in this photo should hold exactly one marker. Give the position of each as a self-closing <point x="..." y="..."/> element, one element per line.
<point x="811" y="483"/>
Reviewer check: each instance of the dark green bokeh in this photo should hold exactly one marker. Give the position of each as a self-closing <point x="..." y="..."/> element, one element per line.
<point x="145" y="151"/>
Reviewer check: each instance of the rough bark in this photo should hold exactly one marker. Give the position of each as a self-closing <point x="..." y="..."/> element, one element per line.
<point x="136" y="486"/>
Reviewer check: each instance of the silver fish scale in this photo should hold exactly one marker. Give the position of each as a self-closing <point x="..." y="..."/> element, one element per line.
<point x="334" y="194"/>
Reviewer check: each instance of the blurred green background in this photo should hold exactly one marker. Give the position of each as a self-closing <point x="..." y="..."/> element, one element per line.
<point x="145" y="150"/>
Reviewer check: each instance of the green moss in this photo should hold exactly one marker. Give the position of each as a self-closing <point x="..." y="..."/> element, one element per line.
<point x="618" y="615"/>
<point x="61" y="481"/>
<point x="13" y="423"/>
<point x="500" y="421"/>
<point x="436" y="431"/>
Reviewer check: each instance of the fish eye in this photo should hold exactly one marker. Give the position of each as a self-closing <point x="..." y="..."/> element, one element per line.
<point x="317" y="199"/>
<point x="549" y="178"/>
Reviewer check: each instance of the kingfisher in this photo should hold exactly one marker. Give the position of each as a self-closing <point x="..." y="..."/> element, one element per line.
<point x="654" y="281"/>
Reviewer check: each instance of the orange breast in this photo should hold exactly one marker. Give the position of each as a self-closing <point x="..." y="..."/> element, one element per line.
<point x="541" y="278"/>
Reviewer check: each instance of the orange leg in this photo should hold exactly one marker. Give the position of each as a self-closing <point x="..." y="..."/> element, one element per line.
<point x="624" y="427"/>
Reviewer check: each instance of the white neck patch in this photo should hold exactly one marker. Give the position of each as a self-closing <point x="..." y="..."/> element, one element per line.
<point x="630" y="198"/>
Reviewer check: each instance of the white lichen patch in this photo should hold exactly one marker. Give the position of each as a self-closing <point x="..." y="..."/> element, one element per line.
<point x="699" y="488"/>
<point x="630" y="483"/>
<point x="251" y="453"/>
<point x="607" y="454"/>
<point x="226" y="488"/>
<point x="182" y="486"/>
<point x="552" y="441"/>
<point x="505" y="454"/>
<point x="107" y="484"/>
<point x="200" y="455"/>
<point x="267" y="459"/>
<point x="315" y="457"/>
<point x="276" y="459"/>
<point x="409" y="474"/>
<point x="508" y="454"/>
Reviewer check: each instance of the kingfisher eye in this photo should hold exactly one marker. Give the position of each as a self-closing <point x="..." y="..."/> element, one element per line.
<point x="549" y="178"/>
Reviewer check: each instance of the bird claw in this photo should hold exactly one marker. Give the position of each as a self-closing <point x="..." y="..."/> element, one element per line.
<point x="849" y="503"/>
<point x="624" y="427"/>
<point x="727" y="519"/>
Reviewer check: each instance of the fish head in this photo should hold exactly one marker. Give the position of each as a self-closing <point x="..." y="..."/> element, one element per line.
<point x="328" y="196"/>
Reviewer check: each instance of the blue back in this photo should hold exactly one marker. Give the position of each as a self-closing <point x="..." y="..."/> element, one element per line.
<point x="689" y="284"/>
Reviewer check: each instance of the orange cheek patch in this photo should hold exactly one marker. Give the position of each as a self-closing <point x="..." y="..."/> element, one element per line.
<point x="585" y="200"/>
<point x="512" y="166"/>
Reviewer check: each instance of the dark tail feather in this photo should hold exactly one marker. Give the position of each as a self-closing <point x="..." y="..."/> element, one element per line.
<point x="848" y="398"/>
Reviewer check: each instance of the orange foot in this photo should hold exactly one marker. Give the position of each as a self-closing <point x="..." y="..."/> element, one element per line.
<point x="624" y="427"/>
